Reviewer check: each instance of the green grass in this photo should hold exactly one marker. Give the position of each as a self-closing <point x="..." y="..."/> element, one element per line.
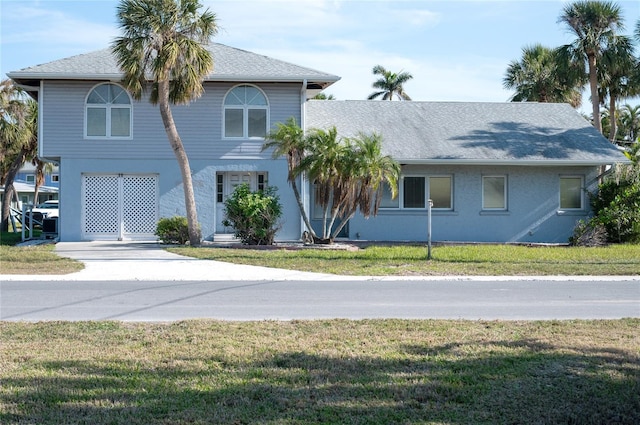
<point x="321" y="372"/>
<point x="35" y="259"/>
<point x="406" y="260"/>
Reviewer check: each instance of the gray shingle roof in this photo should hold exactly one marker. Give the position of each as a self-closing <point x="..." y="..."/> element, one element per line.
<point x="460" y="132"/>
<point x="230" y="64"/>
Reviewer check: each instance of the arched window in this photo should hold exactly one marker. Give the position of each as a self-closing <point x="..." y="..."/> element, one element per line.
<point x="246" y="113"/>
<point x="108" y="112"/>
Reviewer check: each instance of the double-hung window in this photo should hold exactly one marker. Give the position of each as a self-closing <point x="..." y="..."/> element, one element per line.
<point x="108" y="112"/>
<point x="494" y="193"/>
<point x="571" y="193"/>
<point x="246" y="113"/>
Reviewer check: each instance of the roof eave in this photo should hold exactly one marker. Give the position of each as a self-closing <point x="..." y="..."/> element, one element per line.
<point x="522" y="162"/>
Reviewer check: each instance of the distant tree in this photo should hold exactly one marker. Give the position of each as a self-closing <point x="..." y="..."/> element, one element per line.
<point x="389" y="84"/>
<point x="18" y="139"/>
<point x="324" y="96"/>
<point x="540" y="76"/>
<point x="595" y="25"/>
<point x="165" y="40"/>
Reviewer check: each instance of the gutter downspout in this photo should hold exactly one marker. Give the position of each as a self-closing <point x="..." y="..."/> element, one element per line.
<point x="303" y="179"/>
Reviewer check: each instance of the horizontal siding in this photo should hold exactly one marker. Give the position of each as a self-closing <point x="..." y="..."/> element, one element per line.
<point x="199" y="125"/>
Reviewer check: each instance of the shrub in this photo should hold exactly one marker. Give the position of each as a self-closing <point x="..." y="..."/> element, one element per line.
<point x="173" y="230"/>
<point x="617" y="204"/>
<point x="588" y="233"/>
<point x="253" y="215"/>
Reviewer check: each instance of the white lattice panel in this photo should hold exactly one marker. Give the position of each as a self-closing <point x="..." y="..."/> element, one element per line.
<point x="117" y="206"/>
<point x="139" y="207"/>
<point x="100" y="205"/>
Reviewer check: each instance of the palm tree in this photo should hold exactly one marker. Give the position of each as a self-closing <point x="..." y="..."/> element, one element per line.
<point x="288" y="140"/>
<point x="544" y="76"/>
<point x="164" y="42"/>
<point x="616" y="74"/>
<point x="630" y="123"/>
<point x="18" y="139"/>
<point x="595" y="25"/>
<point x="389" y="84"/>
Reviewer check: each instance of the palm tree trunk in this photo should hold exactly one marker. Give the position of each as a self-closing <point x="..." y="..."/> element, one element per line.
<point x="612" y="117"/>
<point x="595" y="99"/>
<point x="303" y="212"/>
<point x="183" y="162"/>
<point x="9" y="189"/>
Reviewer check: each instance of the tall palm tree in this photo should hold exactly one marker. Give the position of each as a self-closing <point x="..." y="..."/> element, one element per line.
<point x="630" y="123"/>
<point x="389" y="83"/>
<point x="595" y="24"/>
<point x="287" y="140"/>
<point x="18" y="139"/>
<point x="164" y="42"/>
<point x="542" y="75"/>
<point x="615" y="74"/>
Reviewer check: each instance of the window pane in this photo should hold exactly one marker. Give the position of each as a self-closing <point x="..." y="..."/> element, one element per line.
<point x="255" y="97"/>
<point x="571" y="192"/>
<point x="386" y="201"/>
<point x="414" y="192"/>
<point x="493" y="193"/>
<point x="119" y="96"/>
<point x="236" y="96"/>
<point x="120" y="122"/>
<point x="257" y="122"/>
<point x="99" y="95"/>
<point x="96" y="122"/>
<point x="233" y="123"/>
<point x="440" y="191"/>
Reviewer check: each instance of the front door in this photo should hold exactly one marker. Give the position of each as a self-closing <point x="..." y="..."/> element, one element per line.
<point x="226" y="183"/>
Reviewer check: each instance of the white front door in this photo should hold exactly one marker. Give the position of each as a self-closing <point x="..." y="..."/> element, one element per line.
<point x="226" y="183"/>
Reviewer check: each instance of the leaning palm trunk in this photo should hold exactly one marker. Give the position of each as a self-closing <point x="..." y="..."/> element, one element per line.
<point x="183" y="162"/>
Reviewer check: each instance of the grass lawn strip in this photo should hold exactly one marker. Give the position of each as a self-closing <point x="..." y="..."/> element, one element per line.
<point x="306" y="372"/>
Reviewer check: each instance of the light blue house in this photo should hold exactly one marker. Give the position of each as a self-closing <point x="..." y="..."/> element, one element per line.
<point x="495" y="172"/>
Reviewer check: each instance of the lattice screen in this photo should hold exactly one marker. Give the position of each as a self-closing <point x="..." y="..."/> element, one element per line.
<point x="114" y="200"/>
<point x="100" y="204"/>
<point x="139" y="210"/>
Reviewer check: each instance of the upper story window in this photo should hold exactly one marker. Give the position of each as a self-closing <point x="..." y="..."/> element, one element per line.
<point x="108" y="112"/>
<point x="246" y="113"/>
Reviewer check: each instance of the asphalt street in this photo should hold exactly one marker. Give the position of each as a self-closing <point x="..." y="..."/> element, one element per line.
<point x="143" y="282"/>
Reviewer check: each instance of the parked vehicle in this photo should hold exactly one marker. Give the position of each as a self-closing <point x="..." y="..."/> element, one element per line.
<point x="48" y="209"/>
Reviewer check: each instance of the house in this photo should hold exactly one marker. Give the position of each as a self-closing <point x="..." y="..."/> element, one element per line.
<point x="495" y="172"/>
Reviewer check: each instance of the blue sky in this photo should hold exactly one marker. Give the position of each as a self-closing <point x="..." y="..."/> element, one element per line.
<point x="456" y="50"/>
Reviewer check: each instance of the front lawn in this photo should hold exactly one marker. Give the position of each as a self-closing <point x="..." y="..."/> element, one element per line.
<point x="321" y="372"/>
<point x="411" y="260"/>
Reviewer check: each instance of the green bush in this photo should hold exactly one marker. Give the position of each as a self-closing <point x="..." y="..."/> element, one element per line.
<point x="173" y="230"/>
<point x="253" y="215"/>
<point x="617" y="204"/>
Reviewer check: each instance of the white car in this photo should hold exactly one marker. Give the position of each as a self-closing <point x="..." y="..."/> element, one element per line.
<point x="48" y="209"/>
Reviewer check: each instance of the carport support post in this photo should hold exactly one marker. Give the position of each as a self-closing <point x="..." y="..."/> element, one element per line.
<point x="429" y="229"/>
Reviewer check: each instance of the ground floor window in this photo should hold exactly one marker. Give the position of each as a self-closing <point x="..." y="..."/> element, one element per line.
<point x="494" y="192"/>
<point x="571" y="193"/>
<point x="414" y="191"/>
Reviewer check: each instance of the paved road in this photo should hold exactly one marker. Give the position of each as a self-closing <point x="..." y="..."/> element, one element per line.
<point x="315" y="299"/>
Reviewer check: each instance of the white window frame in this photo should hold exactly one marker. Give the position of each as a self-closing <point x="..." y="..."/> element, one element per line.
<point x="245" y="114"/>
<point x="108" y="107"/>
<point x="505" y="192"/>
<point x="30" y="178"/>
<point x="572" y="177"/>
<point x="427" y="187"/>
<point x="55" y="178"/>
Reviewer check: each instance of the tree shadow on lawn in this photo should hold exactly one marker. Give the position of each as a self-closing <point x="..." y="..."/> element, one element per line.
<point x="507" y="382"/>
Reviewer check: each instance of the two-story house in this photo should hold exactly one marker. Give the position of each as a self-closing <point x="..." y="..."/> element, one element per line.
<point x="495" y="172"/>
